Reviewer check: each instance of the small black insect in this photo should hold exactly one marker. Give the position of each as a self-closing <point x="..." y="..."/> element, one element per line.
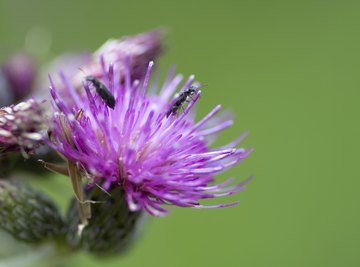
<point x="182" y="98"/>
<point x="102" y="91"/>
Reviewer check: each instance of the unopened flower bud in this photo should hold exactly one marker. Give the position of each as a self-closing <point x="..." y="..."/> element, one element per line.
<point x="128" y="53"/>
<point x="20" y="72"/>
<point x="139" y="49"/>
<point x="28" y="215"/>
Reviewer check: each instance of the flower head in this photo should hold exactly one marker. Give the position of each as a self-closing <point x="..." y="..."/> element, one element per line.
<point x="138" y="50"/>
<point x="20" y="71"/>
<point x="156" y="154"/>
<point x="22" y="127"/>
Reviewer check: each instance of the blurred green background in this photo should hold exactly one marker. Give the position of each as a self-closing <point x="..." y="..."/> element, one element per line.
<point x="290" y="72"/>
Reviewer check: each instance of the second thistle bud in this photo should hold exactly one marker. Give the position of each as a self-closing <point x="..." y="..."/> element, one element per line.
<point x="20" y="73"/>
<point x="28" y="215"/>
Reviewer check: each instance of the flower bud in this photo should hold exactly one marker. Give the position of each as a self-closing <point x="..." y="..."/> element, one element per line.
<point x="20" y="72"/>
<point x="139" y="49"/>
<point x="28" y="215"/>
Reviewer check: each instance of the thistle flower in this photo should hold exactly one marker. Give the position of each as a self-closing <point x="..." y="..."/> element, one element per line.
<point x="156" y="157"/>
<point x="22" y="127"/>
<point x="20" y="72"/>
<point x="138" y="49"/>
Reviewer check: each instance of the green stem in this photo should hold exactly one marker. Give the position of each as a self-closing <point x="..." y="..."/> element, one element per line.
<point x="46" y="255"/>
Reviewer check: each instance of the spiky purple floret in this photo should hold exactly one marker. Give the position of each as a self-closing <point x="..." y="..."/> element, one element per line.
<point x="157" y="160"/>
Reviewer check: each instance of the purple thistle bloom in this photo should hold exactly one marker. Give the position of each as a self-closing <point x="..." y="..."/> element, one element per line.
<point x="22" y="127"/>
<point x="157" y="157"/>
<point x="138" y="50"/>
<point x="20" y="71"/>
